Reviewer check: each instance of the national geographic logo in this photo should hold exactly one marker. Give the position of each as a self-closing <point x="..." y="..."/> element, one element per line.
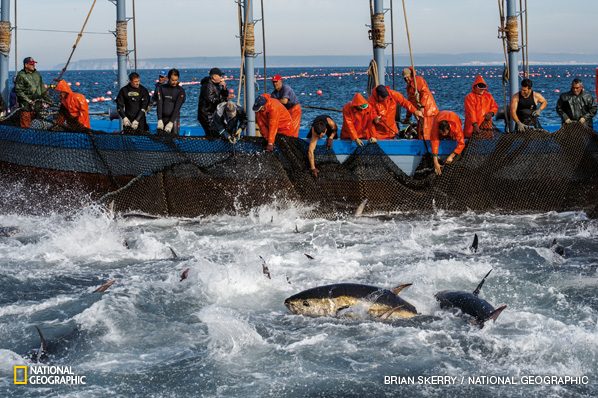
<point x="46" y="375"/>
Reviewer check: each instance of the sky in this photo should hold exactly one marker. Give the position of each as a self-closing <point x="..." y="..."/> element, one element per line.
<point x="190" y="28"/>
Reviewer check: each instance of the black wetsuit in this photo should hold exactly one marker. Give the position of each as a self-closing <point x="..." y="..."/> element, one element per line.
<point x="210" y="96"/>
<point x="170" y="101"/>
<point x="525" y="108"/>
<point x="133" y="103"/>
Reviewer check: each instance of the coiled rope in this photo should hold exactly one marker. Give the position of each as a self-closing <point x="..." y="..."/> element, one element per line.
<point x="378" y="30"/>
<point x="5" y="37"/>
<point x="121" y="38"/>
<point x="512" y="31"/>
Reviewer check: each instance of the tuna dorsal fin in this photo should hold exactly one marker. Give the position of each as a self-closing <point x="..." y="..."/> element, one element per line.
<point x="43" y="347"/>
<point x="474" y="245"/>
<point x="398" y="289"/>
<point x="360" y="208"/>
<point x="477" y="289"/>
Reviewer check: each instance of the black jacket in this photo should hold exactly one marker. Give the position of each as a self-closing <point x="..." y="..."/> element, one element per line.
<point x="210" y="96"/>
<point x="222" y="123"/>
<point x="133" y="103"/>
<point x="574" y="107"/>
<point x="170" y="101"/>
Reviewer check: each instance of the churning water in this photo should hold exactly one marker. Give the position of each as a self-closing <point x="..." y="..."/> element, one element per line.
<point x="225" y="332"/>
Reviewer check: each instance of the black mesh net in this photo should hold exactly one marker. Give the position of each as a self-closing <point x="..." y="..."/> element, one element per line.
<point x="526" y="172"/>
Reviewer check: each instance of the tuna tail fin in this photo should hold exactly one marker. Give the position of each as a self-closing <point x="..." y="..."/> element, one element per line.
<point x="493" y="315"/>
<point x="477" y="289"/>
<point x="398" y="289"/>
<point x="43" y="348"/>
<point x="474" y="245"/>
<point x="388" y="313"/>
<point x="360" y="208"/>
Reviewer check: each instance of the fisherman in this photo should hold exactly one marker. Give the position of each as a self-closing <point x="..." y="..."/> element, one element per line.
<point x="74" y="110"/>
<point x="322" y="126"/>
<point x="383" y="102"/>
<point x="480" y="108"/>
<point x="162" y="79"/>
<point x="31" y="91"/>
<point x="285" y="94"/>
<point x="132" y="104"/>
<point x="272" y="118"/>
<point x="526" y="107"/>
<point x="171" y="97"/>
<point x="229" y="121"/>
<point x="213" y="92"/>
<point x="577" y="105"/>
<point x="358" y="121"/>
<point x="447" y="125"/>
<point x="422" y="99"/>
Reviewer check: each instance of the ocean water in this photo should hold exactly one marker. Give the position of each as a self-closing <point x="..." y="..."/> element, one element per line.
<point x="449" y="84"/>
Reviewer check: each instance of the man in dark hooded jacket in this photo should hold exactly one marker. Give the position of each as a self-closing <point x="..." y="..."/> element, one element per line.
<point x="577" y="105"/>
<point x="213" y="92"/>
<point x="132" y="103"/>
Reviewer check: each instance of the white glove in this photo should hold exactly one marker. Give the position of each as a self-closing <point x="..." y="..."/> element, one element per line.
<point x="160" y="125"/>
<point x="134" y="124"/>
<point x="373" y="140"/>
<point x="126" y="122"/>
<point x="168" y="127"/>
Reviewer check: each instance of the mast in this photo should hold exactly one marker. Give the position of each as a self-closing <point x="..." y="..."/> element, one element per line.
<point x="4" y="48"/>
<point x="379" y="47"/>
<point x="513" y="46"/>
<point x="121" y="41"/>
<point x="249" y="71"/>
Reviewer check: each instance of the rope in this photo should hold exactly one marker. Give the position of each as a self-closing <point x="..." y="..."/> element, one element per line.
<point x="411" y="54"/>
<point x="373" y="79"/>
<point x="249" y="39"/>
<point x="512" y="31"/>
<point x="392" y="40"/>
<point x="121" y="38"/>
<point x="264" y="48"/>
<point x="322" y="108"/>
<point x="524" y="39"/>
<point x="79" y="35"/>
<point x="378" y="30"/>
<point x="134" y="36"/>
<point x="16" y="44"/>
<point x="5" y="37"/>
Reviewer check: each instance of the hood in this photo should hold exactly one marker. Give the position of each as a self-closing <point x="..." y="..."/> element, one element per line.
<point x="358" y="100"/>
<point x="478" y="79"/>
<point x="205" y="80"/>
<point x="64" y="87"/>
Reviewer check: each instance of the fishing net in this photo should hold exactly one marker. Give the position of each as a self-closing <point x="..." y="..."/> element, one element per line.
<point x="534" y="171"/>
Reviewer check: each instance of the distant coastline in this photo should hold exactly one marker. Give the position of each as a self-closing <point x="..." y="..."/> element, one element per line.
<point x="280" y="61"/>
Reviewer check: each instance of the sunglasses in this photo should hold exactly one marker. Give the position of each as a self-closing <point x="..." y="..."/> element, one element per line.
<point x="363" y="106"/>
<point x="481" y="86"/>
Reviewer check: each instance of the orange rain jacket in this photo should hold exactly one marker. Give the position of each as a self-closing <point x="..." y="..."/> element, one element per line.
<point x="426" y="99"/>
<point x="386" y="129"/>
<point x="456" y="131"/>
<point x="476" y="106"/>
<point x="75" y="104"/>
<point x="357" y="123"/>
<point x="295" y="112"/>
<point x="274" y="119"/>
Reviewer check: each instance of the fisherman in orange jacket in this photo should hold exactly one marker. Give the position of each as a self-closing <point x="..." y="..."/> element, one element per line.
<point x="272" y="118"/>
<point x="422" y="99"/>
<point x="285" y="94"/>
<point x="74" y="105"/>
<point x="480" y="107"/>
<point x="447" y="125"/>
<point x="358" y="121"/>
<point x="383" y="102"/>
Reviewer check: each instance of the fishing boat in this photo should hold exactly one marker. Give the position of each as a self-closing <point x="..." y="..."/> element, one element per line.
<point x="191" y="176"/>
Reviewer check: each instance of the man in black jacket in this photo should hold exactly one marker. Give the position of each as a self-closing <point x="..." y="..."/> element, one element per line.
<point x="171" y="97"/>
<point x="229" y="121"/>
<point x="577" y="105"/>
<point x="132" y="104"/>
<point x="213" y="92"/>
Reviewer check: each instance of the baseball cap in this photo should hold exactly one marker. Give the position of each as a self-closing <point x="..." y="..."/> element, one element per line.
<point x="382" y="91"/>
<point x="215" y="71"/>
<point x="259" y="102"/>
<point x="163" y="73"/>
<point x="29" y="60"/>
<point x="276" y="78"/>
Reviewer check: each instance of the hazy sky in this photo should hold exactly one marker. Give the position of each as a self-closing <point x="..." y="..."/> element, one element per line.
<point x="184" y="28"/>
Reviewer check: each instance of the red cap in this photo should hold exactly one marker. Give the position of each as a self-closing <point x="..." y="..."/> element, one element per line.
<point x="276" y="78"/>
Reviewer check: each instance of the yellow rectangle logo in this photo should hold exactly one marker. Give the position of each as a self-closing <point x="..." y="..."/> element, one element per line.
<point x="20" y="374"/>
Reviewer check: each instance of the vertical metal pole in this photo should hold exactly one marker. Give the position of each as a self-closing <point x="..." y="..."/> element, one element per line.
<point x="379" y="52"/>
<point x="513" y="62"/>
<point x="4" y="58"/>
<point x="135" y="35"/>
<point x="249" y="75"/>
<point x="121" y="16"/>
<point x="392" y="39"/>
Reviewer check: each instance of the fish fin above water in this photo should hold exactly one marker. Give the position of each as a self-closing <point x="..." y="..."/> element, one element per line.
<point x="474" y="245"/>
<point x="398" y="289"/>
<point x="43" y="348"/>
<point x="104" y="287"/>
<point x="174" y="255"/>
<point x="360" y="208"/>
<point x="308" y="256"/>
<point x="493" y="315"/>
<point x="477" y="289"/>
<point x="388" y="313"/>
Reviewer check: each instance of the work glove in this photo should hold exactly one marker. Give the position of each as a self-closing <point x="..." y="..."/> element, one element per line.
<point x="417" y="96"/>
<point x="134" y="124"/>
<point x="568" y="121"/>
<point x="238" y="134"/>
<point x="373" y="140"/>
<point x="314" y="172"/>
<point x="270" y="148"/>
<point x="536" y="113"/>
<point x="582" y="120"/>
<point x="126" y="122"/>
<point x="358" y="142"/>
<point x="329" y="143"/>
<point x="521" y="127"/>
<point x="160" y="125"/>
<point x="168" y="127"/>
<point x="488" y="116"/>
